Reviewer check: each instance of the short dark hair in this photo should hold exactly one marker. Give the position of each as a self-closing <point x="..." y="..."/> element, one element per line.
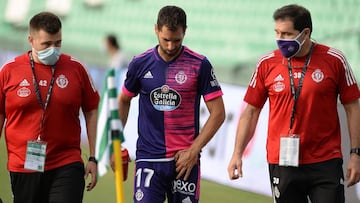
<point x="46" y="21"/>
<point x="111" y="38"/>
<point x="299" y="15"/>
<point x="171" y="17"/>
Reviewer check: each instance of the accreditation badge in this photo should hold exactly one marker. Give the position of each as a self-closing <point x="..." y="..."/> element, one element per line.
<point x="35" y="155"/>
<point x="289" y="150"/>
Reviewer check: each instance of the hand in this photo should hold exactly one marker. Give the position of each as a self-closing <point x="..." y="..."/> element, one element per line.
<point x="124" y="156"/>
<point x="91" y="168"/>
<point x="125" y="160"/>
<point x="235" y="167"/>
<point x="184" y="162"/>
<point x="353" y="170"/>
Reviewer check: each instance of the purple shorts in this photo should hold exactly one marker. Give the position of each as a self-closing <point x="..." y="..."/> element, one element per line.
<point x="156" y="181"/>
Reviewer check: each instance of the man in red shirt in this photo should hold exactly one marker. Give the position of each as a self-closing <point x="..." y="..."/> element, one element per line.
<point x="41" y="95"/>
<point x="302" y="80"/>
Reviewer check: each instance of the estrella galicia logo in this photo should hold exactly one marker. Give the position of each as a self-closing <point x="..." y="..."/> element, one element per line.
<point x="165" y="99"/>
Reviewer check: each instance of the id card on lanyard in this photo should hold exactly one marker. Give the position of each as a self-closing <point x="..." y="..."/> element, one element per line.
<point x="36" y="149"/>
<point x="289" y="150"/>
<point x="35" y="155"/>
<point x="290" y="143"/>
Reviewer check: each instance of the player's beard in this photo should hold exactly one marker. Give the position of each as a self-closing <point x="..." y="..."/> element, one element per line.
<point x="171" y="54"/>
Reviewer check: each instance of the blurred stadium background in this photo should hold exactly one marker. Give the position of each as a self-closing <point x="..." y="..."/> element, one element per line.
<point x="233" y="34"/>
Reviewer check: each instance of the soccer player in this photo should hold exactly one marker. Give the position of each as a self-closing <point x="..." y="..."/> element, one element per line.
<point x="303" y="80"/>
<point x="171" y="79"/>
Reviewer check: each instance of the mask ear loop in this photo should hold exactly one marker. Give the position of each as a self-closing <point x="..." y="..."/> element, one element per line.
<point x="297" y="40"/>
<point x="298" y="36"/>
<point x="311" y="39"/>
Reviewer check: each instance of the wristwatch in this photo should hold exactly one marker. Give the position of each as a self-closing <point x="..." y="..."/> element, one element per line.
<point x="355" y="151"/>
<point x="93" y="159"/>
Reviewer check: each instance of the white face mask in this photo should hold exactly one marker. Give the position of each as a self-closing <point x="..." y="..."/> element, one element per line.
<point x="49" y="56"/>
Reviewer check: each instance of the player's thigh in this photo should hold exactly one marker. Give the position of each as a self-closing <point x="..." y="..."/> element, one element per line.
<point x="151" y="182"/>
<point x="186" y="190"/>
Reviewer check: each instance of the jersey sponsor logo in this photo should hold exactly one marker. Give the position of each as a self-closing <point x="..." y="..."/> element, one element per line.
<point x="317" y="75"/>
<point x="214" y="82"/>
<point x="184" y="187"/>
<point x="62" y="81"/>
<point x="279" y="86"/>
<point x="181" y="77"/>
<point x="24" y="83"/>
<point x="148" y="75"/>
<point x="23" y="92"/>
<point x="165" y="99"/>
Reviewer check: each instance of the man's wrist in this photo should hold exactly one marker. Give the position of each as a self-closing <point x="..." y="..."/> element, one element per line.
<point x="355" y="151"/>
<point x="93" y="159"/>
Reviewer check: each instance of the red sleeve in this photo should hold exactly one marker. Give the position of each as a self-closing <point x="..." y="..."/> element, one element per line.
<point x="90" y="95"/>
<point x="256" y="93"/>
<point x="2" y="93"/>
<point x="348" y="87"/>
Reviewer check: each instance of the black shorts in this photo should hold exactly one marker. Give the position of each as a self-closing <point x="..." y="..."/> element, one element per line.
<point x="62" y="185"/>
<point x="319" y="182"/>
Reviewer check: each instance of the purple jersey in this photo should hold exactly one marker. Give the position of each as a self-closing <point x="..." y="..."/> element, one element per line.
<point x="169" y="100"/>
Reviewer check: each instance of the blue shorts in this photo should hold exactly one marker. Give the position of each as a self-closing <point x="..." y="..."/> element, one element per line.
<point x="156" y="181"/>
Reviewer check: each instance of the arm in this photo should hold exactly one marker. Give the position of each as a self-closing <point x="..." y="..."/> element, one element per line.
<point x="353" y="119"/>
<point x="244" y="133"/>
<point x="124" y="107"/>
<point x="91" y="167"/>
<point x="186" y="159"/>
<point x="2" y="120"/>
<point x="124" y="102"/>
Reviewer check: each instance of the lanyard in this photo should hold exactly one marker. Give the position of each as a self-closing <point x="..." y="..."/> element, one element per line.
<point x="296" y="93"/>
<point x="38" y="94"/>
